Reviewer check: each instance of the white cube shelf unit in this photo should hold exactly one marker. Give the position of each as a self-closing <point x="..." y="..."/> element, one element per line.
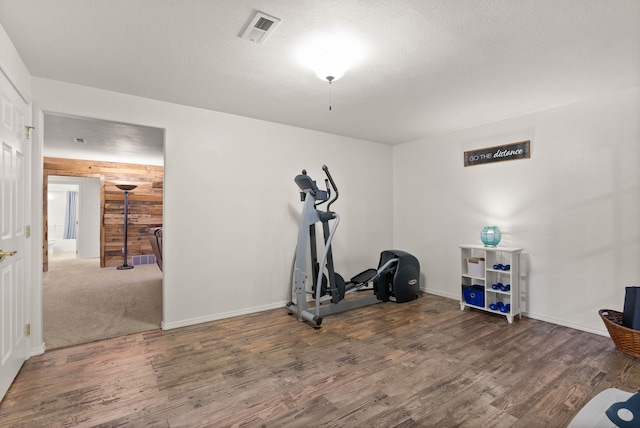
<point x="480" y="286"/>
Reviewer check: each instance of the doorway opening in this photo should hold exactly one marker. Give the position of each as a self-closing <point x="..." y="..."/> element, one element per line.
<point x="85" y="297"/>
<point x="73" y="220"/>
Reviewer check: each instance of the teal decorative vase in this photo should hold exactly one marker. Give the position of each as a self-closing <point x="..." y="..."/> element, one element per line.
<point x="490" y="236"/>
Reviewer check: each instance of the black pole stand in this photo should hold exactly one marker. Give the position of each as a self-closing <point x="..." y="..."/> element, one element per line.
<point x="126" y="188"/>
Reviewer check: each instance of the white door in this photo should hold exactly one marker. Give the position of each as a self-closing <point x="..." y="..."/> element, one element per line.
<point x="13" y="296"/>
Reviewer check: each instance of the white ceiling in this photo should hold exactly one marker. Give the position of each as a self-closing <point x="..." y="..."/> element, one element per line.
<point x="103" y="140"/>
<point x="427" y="66"/>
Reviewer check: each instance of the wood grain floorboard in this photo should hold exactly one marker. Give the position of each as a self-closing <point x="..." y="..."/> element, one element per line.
<point x="419" y="364"/>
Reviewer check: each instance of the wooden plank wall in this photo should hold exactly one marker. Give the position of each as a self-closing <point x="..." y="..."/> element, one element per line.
<point x="145" y="204"/>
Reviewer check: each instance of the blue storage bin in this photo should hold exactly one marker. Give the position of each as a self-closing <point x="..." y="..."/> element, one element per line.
<point x="473" y="294"/>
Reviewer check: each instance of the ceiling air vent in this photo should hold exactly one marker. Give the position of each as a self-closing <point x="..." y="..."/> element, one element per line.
<point x="260" y="27"/>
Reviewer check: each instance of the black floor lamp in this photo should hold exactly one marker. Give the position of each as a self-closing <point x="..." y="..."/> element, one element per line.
<point x="126" y="188"/>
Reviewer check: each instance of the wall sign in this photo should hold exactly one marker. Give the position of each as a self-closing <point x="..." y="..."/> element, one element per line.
<point x="512" y="151"/>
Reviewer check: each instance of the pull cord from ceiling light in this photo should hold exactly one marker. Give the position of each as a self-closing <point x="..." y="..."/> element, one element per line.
<point x="330" y="79"/>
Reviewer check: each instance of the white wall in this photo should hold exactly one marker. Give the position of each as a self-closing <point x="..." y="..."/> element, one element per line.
<point x="12" y="66"/>
<point x="231" y="207"/>
<point x="88" y="217"/>
<point x="574" y="206"/>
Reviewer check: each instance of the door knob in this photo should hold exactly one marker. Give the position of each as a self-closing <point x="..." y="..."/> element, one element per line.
<point x="4" y="254"/>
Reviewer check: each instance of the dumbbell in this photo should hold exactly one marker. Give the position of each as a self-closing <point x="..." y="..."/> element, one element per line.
<point x="500" y="266"/>
<point x="505" y="308"/>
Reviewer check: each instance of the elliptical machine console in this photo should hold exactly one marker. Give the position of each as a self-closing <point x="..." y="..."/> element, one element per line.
<point x="397" y="277"/>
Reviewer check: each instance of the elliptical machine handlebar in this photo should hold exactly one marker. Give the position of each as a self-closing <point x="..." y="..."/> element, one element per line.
<point x="306" y="184"/>
<point x="333" y="184"/>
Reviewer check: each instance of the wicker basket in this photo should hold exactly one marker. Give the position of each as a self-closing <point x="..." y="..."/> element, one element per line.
<point x="626" y="339"/>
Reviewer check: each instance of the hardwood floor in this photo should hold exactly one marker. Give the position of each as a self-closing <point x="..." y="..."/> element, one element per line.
<point x="418" y="364"/>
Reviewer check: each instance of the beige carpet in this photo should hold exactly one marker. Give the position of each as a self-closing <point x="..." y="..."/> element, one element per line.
<point x="84" y="302"/>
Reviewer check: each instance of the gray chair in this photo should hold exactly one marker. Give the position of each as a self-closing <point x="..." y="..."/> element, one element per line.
<point x="155" y="235"/>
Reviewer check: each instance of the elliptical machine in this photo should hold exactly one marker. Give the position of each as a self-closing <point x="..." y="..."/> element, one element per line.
<point x="395" y="279"/>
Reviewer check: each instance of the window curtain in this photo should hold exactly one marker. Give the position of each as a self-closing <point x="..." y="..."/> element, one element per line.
<point x="70" y="216"/>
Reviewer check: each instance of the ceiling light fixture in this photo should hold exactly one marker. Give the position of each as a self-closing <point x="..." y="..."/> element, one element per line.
<point x="331" y="56"/>
<point x="330" y="64"/>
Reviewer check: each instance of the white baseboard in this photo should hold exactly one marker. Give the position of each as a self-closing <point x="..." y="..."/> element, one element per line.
<point x="441" y="293"/>
<point x="230" y="314"/>
<point x="224" y="315"/>
<point x="552" y="320"/>
<point x="37" y="350"/>
<point x="563" y="323"/>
